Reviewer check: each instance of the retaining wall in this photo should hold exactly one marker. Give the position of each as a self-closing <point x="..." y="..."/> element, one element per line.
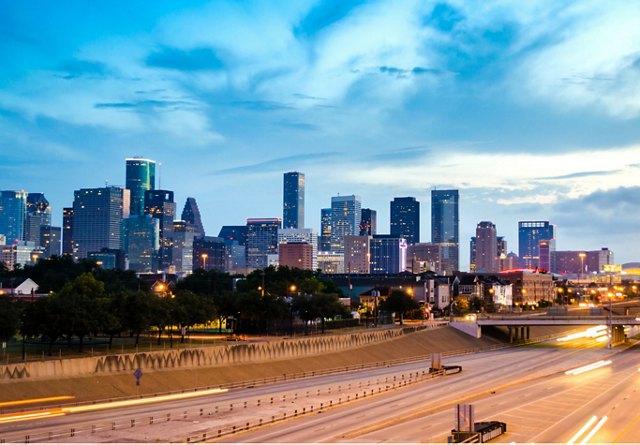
<point x="188" y="358"/>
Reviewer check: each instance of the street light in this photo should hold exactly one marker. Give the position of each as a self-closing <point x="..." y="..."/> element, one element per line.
<point x="204" y="261"/>
<point x="581" y="255"/>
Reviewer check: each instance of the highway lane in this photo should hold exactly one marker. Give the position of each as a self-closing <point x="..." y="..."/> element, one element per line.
<point x="417" y="414"/>
<point x="480" y="372"/>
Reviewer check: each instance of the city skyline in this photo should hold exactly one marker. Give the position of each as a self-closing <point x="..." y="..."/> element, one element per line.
<point x="443" y="95"/>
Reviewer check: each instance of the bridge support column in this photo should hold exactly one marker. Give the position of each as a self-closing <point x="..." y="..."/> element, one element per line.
<point x="617" y="335"/>
<point x="528" y="332"/>
<point x="511" y="334"/>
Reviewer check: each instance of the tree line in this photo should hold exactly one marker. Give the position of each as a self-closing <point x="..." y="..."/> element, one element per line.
<point x="86" y="301"/>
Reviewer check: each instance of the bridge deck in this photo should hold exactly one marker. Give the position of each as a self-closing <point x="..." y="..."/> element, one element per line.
<point x="581" y="320"/>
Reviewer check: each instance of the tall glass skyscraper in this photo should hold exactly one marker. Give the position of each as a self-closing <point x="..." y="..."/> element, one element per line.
<point x="140" y="177"/>
<point x="530" y="233"/>
<point x="405" y="219"/>
<point x="325" y="230"/>
<point x="191" y="215"/>
<point x="346" y="212"/>
<point x="161" y="206"/>
<point x="97" y="219"/>
<point x="293" y="201"/>
<point x="140" y="240"/>
<point x="13" y="214"/>
<point x="262" y="240"/>
<point x="368" y="222"/>
<point x="444" y="227"/>
<point x="38" y="215"/>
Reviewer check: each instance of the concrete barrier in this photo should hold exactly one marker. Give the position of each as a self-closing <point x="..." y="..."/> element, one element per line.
<point x="191" y="358"/>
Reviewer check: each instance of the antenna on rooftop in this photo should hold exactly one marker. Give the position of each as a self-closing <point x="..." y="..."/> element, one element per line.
<point x="159" y="175"/>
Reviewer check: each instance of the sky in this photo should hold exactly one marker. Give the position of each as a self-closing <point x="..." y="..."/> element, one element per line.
<point x="531" y="109"/>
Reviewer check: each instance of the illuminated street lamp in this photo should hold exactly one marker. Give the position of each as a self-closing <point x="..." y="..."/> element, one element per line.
<point x="204" y="260"/>
<point x="582" y="255"/>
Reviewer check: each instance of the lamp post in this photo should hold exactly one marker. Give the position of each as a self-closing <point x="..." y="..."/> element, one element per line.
<point x="582" y="255"/>
<point x="204" y="261"/>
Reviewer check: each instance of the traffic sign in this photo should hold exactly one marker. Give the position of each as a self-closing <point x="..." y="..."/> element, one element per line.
<point x="138" y="375"/>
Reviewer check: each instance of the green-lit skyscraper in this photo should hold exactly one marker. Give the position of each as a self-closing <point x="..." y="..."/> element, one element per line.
<point x="141" y="176"/>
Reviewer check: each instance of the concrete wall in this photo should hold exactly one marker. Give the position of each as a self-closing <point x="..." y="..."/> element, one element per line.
<point x="187" y="358"/>
<point x="469" y="328"/>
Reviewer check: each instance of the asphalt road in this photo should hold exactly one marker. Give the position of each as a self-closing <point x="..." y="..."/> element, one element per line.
<point x="525" y="387"/>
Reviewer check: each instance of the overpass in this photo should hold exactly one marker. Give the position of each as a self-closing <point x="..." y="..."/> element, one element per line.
<point x="519" y="325"/>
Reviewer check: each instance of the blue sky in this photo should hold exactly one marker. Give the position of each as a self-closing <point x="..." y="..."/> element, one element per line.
<point x="530" y="108"/>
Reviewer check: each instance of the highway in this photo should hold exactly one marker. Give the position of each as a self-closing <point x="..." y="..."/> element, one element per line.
<point x="526" y="387"/>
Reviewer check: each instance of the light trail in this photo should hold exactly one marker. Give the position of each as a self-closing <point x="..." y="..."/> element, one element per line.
<point x="41" y="414"/>
<point x="593" y="332"/>
<point x="40" y="400"/>
<point x="581" y="431"/>
<point x="594" y="430"/>
<point x="586" y="368"/>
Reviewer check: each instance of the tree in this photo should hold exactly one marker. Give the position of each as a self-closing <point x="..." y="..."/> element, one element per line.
<point x="43" y="318"/>
<point x="191" y="309"/>
<point x="322" y="306"/>
<point x="9" y="318"/>
<point x="138" y="315"/>
<point x="400" y="303"/>
<point x="161" y="316"/>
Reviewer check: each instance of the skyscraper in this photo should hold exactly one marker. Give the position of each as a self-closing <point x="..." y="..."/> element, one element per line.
<point x="356" y="254"/>
<point x="50" y="240"/>
<point x="191" y="215"/>
<point x="405" y="219"/>
<point x="293" y="201"/>
<point x="68" y="246"/>
<point x="325" y="230"/>
<point x="140" y="177"/>
<point x="368" y="222"/>
<point x="97" y="219"/>
<point x="141" y="242"/>
<point x="444" y="227"/>
<point x="388" y="254"/>
<point x="38" y="215"/>
<point x="161" y="206"/>
<point x="262" y="240"/>
<point x="486" y="247"/>
<point x="13" y="214"/>
<point x="346" y="212"/>
<point x="530" y="233"/>
<point x="209" y="253"/>
<point x="182" y="248"/>
<point x="308" y="236"/>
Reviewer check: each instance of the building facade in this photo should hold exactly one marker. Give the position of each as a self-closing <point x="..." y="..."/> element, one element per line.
<point x="50" y="240"/>
<point x="486" y="252"/>
<point x="141" y="242"/>
<point x="97" y="219"/>
<point x="325" y="230"/>
<point x="209" y="253"/>
<point x="191" y="216"/>
<point x="140" y="177"/>
<point x="307" y="236"/>
<point x="297" y="255"/>
<point x="346" y="212"/>
<point x="356" y="254"/>
<point x="388" y="254"/>
<point x="445" y="227"/>
<point x="182" y="239"/>
<point x="530" y="233"/>
<point x="405" y="219"/>
<point x="368" y="222"/>
<point x="38" y="215"/>
<point x="159" y="204"/>
<point x="262" y="241"/>
<point x="13" y="214"/>
<point x="293" y="201"/>
<point x="423" y="257"/>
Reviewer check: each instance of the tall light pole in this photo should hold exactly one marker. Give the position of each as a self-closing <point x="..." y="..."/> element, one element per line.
<point x="204" y="261"/>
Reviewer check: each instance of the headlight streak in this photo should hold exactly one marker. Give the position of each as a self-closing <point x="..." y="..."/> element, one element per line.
<point x="581" y="431"/>
<point x="586" y="368"/>
<point x="594" y="430"/>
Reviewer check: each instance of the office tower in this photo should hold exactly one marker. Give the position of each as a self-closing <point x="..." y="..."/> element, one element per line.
<point x="368" y="222"/>
<point x="472" y="254"/>
<point x="530" y="233"/>
<point x="140" y="177"/>
<point x="50" y="240"/>
<point x="191" y="215"/>
<point x="97" y="219"/>
<point x="308" y="236"/>
<point x="13" y="214"/>
<point x="546" y="255"/>
<point x="346" y="212"/>
<point x="234" y="233"/>
<point x="422" y="257"/>
<point x="182" y="247"/>
<point x="262" y="240"/>
<point x="325" y="230"/>
<point x="486" y="247"/>
<point x="19" y="252"/>
<point x="356" y="254"/>
<point x="444" y="227"/>
<point x="68" y="247"/>
<point x="331" y="262"/>
<point x="161" y="206"/>
<point x="297" y="255"/>
<point x="405" y="219"/>
<point x="388" y="254"/>
<point x="209" y="253"/>
<point x="581" y="263"/>
<point x="38" y="215"/>
<point x="501" y="246"/>
<point x="293" y="201"/>
<point x="141" y="242"/>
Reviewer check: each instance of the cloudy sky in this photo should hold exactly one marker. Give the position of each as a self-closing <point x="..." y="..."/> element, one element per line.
<point x="531" y="109"/>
